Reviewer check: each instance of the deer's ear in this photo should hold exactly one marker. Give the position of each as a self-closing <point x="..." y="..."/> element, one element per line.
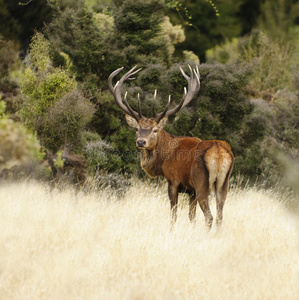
<point x="131" y="121"/>
<point x="163" y="122"/>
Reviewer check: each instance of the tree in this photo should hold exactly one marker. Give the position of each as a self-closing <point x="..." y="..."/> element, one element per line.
<point x="52" y="106"/>
<point x="135" y="32"/>
<point x="207" y="29"/>
<point x="20" y="21"/>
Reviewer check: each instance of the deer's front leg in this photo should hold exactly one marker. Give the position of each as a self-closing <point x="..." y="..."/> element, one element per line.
<point x="173" y="197"/>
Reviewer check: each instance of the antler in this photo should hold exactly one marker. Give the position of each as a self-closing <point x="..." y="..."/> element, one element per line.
<point x="116" y="91"/>
<point x="161" y="115"/>
<point x="193" y="88"/>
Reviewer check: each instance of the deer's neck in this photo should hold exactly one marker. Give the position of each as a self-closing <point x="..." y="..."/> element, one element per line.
<point x="152" y="160"/>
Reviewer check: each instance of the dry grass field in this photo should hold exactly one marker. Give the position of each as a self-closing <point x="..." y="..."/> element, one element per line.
<point x="63" y="245"/>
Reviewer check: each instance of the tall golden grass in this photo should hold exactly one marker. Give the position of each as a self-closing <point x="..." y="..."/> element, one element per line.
<point x="63" y="245"/>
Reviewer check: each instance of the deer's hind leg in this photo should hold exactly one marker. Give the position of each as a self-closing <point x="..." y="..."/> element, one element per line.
<point x="202" y="197"/>
<point x="200" y="182"/>
<point x="220" y="201"/>
<point x="192" y="207"/>
<point x="203" y="201"/>
<point x="222" y="185"/>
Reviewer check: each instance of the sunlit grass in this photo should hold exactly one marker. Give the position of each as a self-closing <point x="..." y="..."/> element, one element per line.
<point x="63" y="245"/>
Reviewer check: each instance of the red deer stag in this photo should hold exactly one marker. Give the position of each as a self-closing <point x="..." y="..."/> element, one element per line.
<point x="189" y="164"/>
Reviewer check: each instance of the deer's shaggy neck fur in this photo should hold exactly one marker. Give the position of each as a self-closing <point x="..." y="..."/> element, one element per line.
<point x="152" y="160"/>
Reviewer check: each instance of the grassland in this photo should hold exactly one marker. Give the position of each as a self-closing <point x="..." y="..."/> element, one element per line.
<point x="62" y="245"/>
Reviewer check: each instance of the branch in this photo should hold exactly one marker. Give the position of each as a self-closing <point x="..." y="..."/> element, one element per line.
<point x="23" y="4"/>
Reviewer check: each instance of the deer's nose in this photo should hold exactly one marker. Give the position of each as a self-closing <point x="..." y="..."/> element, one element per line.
<point x="141" y="143"/>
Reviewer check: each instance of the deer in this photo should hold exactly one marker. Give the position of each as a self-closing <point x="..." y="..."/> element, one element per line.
<point x="190" y="165"/>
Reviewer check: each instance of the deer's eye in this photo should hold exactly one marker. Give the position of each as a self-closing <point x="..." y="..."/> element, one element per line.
<point x="155" y="130"/>
<point x="136" y="129"/>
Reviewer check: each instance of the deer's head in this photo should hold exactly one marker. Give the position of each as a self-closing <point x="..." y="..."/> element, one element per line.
<point x="148" y="129"/>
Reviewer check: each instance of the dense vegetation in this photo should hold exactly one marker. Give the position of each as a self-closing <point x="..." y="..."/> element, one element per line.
<point x="54" y="66"/>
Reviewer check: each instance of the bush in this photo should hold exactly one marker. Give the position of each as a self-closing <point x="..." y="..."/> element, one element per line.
<point x="271" y="64"/>
<point x="101" y="157"/>
<point x="17" y="145"/>
<point x="8" y="63"/>
<point x="269" y="59"/>
<point x="221" y="105"/>
<point x="226" y="53"/>
<point x="52" y="106"/>
<point x="8" y="57"/>
<point x="271" y="131"/>
<point x="67" y="118"/>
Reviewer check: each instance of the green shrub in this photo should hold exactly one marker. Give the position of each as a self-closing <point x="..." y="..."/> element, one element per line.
<point x="52" y="106"/>
<point x="272" y="129"/>
<point x="101" y="157"/>
<point x="17" y="145"/>
<point x="220" y="107"/>
<point x="8" y="57"/>
<point x="139" y="32"/>
<point x="225" y="53"/>
<point x="8" y="63"/>
<point x="269" y="59"/>
<point x="66" y="119"/>
<point x="89" y="41"/>
<point x="271" y="133"/>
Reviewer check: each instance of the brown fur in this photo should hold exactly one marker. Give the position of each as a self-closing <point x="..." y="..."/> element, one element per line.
<point x="190" y="165"/>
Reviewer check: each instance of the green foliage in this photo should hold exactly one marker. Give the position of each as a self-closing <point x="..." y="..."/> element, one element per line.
<point x="8" y="64"/>
<point x="97" y="43"/>
<point x="75" y="33"/>
<point x="272" y="129"/>
<point x="19" y="21"/>
<point x="9" y="26"/>
<point x="17" y="145"/>
<point x="89" y="41"/>
<point x="101" y="156"/>
<point x="181" y="10"/>
<point x="52" y="106"/>
<point x="221" y="104"/>
<point x="139" y="31"/>
<point x="213" y="24"/>
<point x="280" y="138"/>
<point x="278" y="18"/>
<point x="286" y="123"/>
<point x="144" y="33"/>
<point x="39" y="52"/>
<point x="44" y="91"/>
<point x="227" y="53"/>
<point x="8" y="57"/>
<point x="85" y="41"/>
<point x="171" y="35"/>
<point x="2" y="109"/>
<point x="67" y="118"/>
<point x="149" y="79"/>
<point x="271" y="63"/>
<point x="58" y="161"/>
